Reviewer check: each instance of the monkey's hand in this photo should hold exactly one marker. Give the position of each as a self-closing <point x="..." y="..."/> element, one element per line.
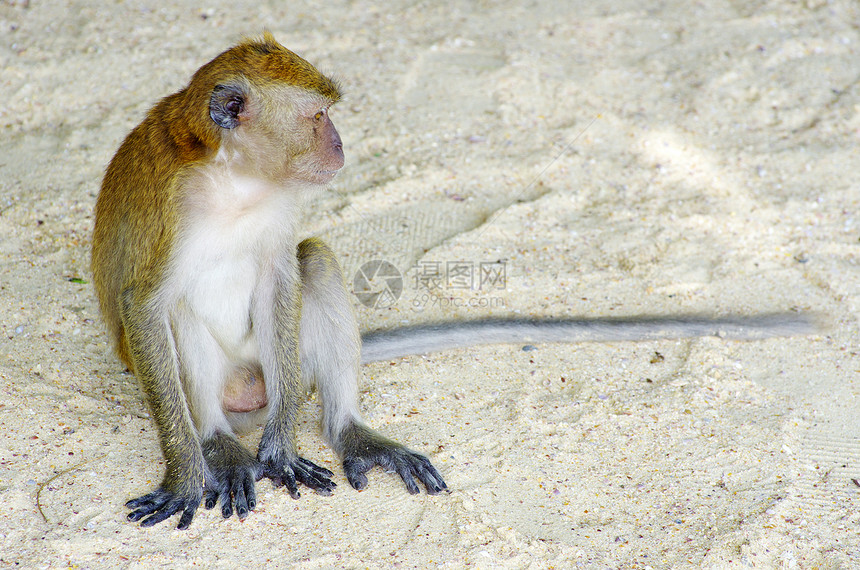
<point x="363" y="448"/>
<point x="299" y="470"/>
<point x="234" y="471"/>
<point x="164" y="502"/>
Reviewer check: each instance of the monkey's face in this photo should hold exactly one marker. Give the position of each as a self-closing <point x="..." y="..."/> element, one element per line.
<point x="281" y="132"/>
<point x="323" y="154"/>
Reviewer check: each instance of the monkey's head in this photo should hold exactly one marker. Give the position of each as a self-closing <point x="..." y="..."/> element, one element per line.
<point x="267" y="113"/>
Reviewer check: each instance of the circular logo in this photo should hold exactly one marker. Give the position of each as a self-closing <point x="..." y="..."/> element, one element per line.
<point x="377" y="284"/>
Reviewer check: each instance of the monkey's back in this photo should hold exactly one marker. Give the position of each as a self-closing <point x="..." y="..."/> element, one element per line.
<point x="136" y="219"/>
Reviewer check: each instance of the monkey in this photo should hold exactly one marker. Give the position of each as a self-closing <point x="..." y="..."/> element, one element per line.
<point x="222" y="314"/>
<point x="227" y="319"/>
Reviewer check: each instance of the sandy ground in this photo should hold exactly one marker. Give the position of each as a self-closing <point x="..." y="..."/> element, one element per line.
<point x="613" y="158"/>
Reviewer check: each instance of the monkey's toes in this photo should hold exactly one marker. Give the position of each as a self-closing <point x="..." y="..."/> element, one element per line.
<point x="421" y="468"/>
<point x="355" y="468"/>
<point x="160" y="505"/>
<point x="411" y="466"/>
<point x="396" y="459"/>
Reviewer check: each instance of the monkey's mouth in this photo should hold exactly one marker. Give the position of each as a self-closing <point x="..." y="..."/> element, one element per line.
<point x="325" y="175"/>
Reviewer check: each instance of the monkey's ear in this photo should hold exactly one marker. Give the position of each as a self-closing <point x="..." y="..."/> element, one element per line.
<point x="227" y="106"/>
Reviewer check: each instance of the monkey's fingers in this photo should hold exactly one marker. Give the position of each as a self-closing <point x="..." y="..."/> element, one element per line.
<point x="226" y="505"/>
<point x="313" y="476"/>
<point x="234" y="471"/>
<point x="244" y="496"/>
<point x="251" y="493"/>
<point x="236" y="490"/>
<point x="302" y="471"/>
<point x="210" y="498"/>
<point x="281" y="477"/>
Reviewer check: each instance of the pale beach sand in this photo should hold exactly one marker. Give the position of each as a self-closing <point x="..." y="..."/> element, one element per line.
<point x="613" y="158"/>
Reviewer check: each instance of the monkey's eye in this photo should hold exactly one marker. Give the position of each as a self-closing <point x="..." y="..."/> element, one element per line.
<point x="319" y="115"/>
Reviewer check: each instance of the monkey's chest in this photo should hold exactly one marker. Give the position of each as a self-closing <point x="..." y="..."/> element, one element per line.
<point x="220" y="296"/>
<point x="220" y="278"/>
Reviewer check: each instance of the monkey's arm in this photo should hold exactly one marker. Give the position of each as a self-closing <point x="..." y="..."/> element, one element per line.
<point x="421" y="339"/>
<point x="276" y="320"/>
<point x="156" y="365"/>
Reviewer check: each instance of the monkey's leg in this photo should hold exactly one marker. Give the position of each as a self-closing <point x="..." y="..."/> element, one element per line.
<point x="232" y="468"/>
<point x="153" y="354"/>
<point x="275" y="316"/>
<point x="330" y="353"/>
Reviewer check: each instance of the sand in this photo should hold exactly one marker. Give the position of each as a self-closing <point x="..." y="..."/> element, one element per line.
<point x="613" y="159"/>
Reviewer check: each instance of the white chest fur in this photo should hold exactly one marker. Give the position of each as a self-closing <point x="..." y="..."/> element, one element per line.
<point x="238" y="231"/>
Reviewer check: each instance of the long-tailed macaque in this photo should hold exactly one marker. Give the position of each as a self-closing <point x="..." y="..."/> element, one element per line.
<point x="225" y="317"/>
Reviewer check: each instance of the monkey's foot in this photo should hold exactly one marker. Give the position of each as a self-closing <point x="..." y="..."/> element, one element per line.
<point x="299" y="470"/>
<point x="235" y="471"/>
<point x="162" y="504"/>
<point x="362" y="449"/>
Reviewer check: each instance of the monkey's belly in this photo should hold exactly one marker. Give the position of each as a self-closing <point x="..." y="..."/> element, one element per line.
<point x="245" y="391"/>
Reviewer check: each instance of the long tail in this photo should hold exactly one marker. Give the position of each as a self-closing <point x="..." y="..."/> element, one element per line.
<point x="420" y="339"/>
